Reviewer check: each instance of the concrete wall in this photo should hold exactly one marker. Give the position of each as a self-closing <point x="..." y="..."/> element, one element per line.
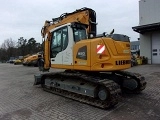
<point x="149" y="11"/>
<point x="145" y="46"/>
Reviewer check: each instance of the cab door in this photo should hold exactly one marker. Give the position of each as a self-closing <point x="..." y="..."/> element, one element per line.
<point x="61" y="46"/>
<point x="68" y="43"/>
<point x="56" y="47"/>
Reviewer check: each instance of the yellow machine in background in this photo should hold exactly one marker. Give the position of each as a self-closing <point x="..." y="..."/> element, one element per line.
<point x="32" y="60"/>
<point x="20" y="59"/>
<point x="92" y="63"/>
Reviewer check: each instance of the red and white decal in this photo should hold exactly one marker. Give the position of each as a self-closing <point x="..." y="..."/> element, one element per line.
<point x="100" y="49"/>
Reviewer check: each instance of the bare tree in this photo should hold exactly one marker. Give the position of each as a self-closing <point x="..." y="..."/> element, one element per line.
<point x="9" y="46"/>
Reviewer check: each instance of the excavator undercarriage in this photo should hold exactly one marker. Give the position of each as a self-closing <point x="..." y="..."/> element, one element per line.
<point x="98" y="89"/>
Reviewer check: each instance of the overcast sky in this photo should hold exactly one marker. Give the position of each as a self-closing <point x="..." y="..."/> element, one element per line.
<point x="25" y="18"/>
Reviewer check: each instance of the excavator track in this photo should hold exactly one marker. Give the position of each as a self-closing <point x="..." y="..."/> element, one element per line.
<point x="137" y="77"/>
<point x="112" y="87"/>
<point x="120" y="76"/>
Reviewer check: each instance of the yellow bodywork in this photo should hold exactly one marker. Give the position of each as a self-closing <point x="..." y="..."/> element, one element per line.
<point x="116" y="56"/>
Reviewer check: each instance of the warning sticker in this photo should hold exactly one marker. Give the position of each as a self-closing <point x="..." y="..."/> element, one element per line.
<point x="100" y="49"/>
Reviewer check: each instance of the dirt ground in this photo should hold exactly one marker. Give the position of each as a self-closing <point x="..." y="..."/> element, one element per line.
<point x="20" y="100"/>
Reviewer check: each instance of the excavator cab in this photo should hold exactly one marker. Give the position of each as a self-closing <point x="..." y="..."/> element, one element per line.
<point x="62" y="40"/>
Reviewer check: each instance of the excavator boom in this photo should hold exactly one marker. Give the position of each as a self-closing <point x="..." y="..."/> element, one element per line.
<point x="84" y="15"/>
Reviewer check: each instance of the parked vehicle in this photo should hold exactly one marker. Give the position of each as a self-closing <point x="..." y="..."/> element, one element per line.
<point x="32" y="60"/>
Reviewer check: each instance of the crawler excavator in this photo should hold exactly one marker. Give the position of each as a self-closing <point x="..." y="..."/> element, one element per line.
<point x="94" y="65"/>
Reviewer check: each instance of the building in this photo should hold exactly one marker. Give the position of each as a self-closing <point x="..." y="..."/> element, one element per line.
<point x="149" y="29"/>
<point x="135" y="45"/>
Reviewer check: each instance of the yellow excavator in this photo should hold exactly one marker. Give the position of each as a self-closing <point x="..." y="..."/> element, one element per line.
<point x="32" y="60"/>
<point x="94" y="64"/>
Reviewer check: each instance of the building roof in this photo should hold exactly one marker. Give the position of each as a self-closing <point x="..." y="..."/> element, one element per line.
<point x="147" y="28"/>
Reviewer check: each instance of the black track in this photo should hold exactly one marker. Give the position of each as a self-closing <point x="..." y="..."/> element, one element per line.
<point x="100" y="79"/>
<point x="112" y="87"/>
<point x="137" y="77"/>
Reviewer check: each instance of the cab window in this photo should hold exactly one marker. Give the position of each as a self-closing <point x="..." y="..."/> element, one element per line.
<point x="79" y="34"/>
<point x="59" y="41"/>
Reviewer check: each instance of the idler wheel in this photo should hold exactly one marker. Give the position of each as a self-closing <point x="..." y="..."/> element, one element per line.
<point x="103" y="94"/>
